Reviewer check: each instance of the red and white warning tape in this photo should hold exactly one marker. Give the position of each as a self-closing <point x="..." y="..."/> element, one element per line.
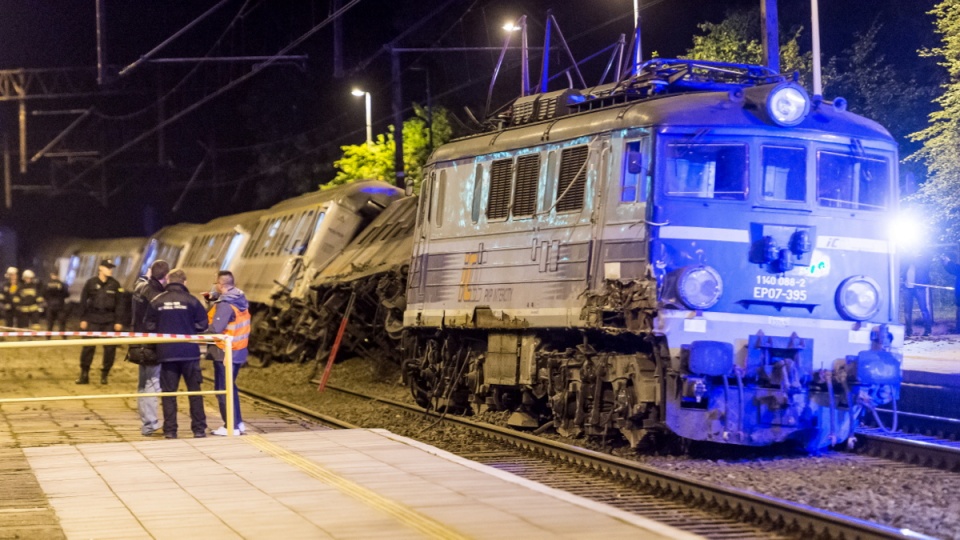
<point x="20" y="332"/>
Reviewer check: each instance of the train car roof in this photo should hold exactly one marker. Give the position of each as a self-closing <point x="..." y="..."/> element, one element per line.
<point x="353" y="195"/>
<point x="181" y="232"/>
<point x="693" y="110"/>
<point x="110" y="245"/>
<point x="247" y="220"/>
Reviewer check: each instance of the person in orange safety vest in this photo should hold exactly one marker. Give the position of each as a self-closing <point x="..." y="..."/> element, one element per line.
<point x="229" y="314"/>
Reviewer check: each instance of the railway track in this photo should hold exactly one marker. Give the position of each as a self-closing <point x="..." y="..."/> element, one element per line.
<point x="713" y="511"/>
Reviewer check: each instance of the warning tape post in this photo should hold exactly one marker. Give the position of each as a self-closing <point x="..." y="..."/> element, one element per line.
<point x="125" y="338"/>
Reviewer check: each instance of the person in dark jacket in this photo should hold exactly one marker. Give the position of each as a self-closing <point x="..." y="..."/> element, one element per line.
<point x="55" y="294"/>
<point x="916" y="274"/>
<point x="229" y="314"/>
<point x="951" y="266"/>
<point x="147" y="288"/>
<point x="176" y="311"/>
<point x="101" y="310"/>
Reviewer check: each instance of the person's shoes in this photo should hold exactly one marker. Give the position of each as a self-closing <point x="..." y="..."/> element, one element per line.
<point x="242" y="427"/>
<point x="926" y="332"/>
<point x="103" y="379"/>
<point x="83" y="379"/>
<point x="222" y="432"/>
<point x="148" y="431"/>
<point x="169" y="435"/>
<point x="199" y="435"/>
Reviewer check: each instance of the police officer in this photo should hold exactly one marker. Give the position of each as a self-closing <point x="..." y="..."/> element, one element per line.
<point x="101" y="310"/>
<point x="55" y="294"/>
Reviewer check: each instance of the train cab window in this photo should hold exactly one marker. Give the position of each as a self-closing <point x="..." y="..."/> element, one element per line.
<point x="852" y="182"/>
<point x="525" y="192"/>
<point x="572" y="180"/>
<point x="707" y="171"/>
<point x="477" y="193"/>
<point x="633" y="179"/>
<point x="784" y="173"/>
<point x="498" y="199"/>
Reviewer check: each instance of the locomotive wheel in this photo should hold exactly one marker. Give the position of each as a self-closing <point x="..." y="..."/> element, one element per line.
<point x="294" y="348"/>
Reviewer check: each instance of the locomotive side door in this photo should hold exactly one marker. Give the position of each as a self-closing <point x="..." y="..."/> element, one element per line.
<point x="622" y="253"/>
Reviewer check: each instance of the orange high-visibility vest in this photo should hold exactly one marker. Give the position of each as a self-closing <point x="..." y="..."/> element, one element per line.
<point x="239" y="327"/>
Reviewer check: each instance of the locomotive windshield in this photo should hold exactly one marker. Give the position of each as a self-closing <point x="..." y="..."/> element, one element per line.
<point x="854" y="182"/>
<point x="784" y="173"/>
<point x="707" y="171"/>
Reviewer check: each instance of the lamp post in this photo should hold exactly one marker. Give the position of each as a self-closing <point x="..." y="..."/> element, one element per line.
<point x="366" y="95"/>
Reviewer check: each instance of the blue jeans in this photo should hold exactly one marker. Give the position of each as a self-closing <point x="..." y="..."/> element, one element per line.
<point x="220" y="383"/>
<point x="148" y="382"/>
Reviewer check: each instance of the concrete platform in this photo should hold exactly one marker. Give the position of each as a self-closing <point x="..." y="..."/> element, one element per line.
<point x="312" y="484"/>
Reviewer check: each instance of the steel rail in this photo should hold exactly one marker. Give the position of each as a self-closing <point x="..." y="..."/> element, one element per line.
<point x="793" y="518"/>
<point x="914" y="449"/>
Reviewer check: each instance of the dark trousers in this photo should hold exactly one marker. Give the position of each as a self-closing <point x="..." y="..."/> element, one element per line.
<point x="220" y="383"/>
<point x="920" y="294"/>
<point x="57" y="316"/>
<point x="109" y="351"/>
<point x="170" y="374"/>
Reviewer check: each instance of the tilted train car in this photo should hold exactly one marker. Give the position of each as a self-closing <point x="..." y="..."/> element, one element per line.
<point x="171" y="244"/>
<point x="298" y="237"/>
<point x="372" y="269"/>
<point x="214" y="246"/>
<point x="294" y="241"/>
<point x="700" y="249"/>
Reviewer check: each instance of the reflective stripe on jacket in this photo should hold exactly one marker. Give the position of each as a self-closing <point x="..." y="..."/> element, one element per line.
<point x="239" y="327"/>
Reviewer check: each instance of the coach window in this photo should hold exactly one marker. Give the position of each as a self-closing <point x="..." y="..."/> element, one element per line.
<point x="784" y="173"/>
<point x="852" y="182"/>
<point x="477" y="192"/>
<point x="572" y="180"/>
<point x="633" y="181"/>
<point x="498" y="198"/>
<point x="707" y="171"/>
<point x="441" y="195"/>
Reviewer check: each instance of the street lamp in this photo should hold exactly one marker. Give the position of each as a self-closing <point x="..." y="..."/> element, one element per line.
<point x="357" y="92"/>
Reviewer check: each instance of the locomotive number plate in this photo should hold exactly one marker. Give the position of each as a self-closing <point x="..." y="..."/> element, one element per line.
<point x="781" y="288"/>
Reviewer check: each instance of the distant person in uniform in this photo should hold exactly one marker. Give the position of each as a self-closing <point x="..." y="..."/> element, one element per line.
<point x="176" y="311"/>
<point x="8" y="296"/>
<point x="147" y="288"/>
<point x="101" y="310"/>
<point x="916" y="273"/>
<point x="228" y="314"/>
<point x="55" y="294"/>
<point x="29" y="302"/>
<point x="951" y="266"/>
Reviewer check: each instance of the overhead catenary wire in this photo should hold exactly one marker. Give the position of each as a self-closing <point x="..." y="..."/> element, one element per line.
<point x="253" y="72"/>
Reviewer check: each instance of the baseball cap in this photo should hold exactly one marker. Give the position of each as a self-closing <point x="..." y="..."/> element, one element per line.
<point x="107" y="263"/>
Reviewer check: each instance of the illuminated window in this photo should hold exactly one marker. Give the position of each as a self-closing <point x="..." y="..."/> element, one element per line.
<point x="784" y="173"/>
<point x="708" y="171"/>
<point x="853" y="182"/>
<point x="633" y="182"/>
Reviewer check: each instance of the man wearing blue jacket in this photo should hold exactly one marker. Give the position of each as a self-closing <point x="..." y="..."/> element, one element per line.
<point x="229" y="314"/>
<point x="176" y="311"/>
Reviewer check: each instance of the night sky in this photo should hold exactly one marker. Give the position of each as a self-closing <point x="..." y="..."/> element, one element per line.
<point x="301" y="114"/>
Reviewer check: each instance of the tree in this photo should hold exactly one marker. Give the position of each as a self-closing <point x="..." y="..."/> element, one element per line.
<point x="941" y="138"/>
<point x="376" y="161"/>
<point x="737" y="39"/>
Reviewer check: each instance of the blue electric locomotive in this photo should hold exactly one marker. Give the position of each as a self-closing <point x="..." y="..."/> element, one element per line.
<point x="698" y="250"/>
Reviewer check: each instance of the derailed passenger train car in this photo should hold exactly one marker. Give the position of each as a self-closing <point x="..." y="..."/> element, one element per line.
<point x="699" y="250"/>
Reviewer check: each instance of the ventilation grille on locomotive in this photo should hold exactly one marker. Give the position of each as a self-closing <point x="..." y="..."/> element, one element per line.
<point x="501" y="174"/>
<point x="525" y="191"/>
<point x="572" y="180"/>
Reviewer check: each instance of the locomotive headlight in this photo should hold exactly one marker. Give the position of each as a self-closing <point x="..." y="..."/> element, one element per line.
<point x="699" y="287"/>
<point x="858" y="298"/>
<point x="788" y="104"/>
